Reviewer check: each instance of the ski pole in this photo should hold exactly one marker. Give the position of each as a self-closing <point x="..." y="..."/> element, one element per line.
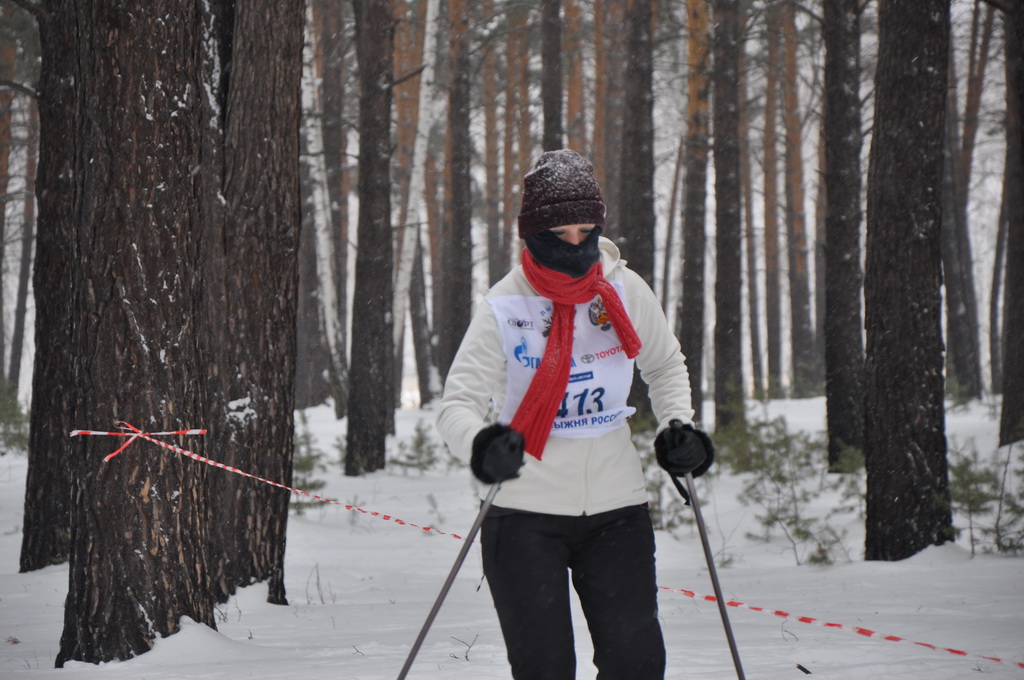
<point x="484" y="507"/>
<point x="711" y="568"/>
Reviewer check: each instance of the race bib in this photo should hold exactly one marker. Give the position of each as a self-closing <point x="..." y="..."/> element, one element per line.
<point x="601" y="376"/>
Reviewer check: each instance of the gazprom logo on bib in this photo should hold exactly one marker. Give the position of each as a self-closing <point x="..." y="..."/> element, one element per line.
<point x="523" y="357"/>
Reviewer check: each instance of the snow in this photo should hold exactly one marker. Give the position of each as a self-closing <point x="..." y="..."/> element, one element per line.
<point x="360" y="587"/>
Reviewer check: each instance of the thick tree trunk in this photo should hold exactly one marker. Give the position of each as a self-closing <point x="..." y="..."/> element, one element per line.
<point x="253" y="260"/>
<point x="908" y="506"/>
<point x="729" y="392"/>
<point x="139" y="523"/>
<point x="370" y="403"/>
<point x="1011" y="423"/>
<point x="843" y="322"/>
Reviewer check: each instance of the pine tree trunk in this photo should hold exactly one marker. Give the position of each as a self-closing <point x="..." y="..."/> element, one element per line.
<point x="750" y="238"/>
<point x="426" y="371"/>
<point x="805" y="367"/>
<point x="525" y="143"/>
<point x="634" y="233"/>
<point x="1011" y="209"/>
<point x="978" y="58"/>
<point x="773" y="276"/>
<point x="514" y="48"/>
<point x="729" y="393"/>
<point x="416" y="116"/>
<point x="139" y="524"/>
<point x="691" y="325"/>
<point x="312" y="361"/>
<point x="251" y="254"/>
<point x="602" y="79"/>
<point x="843" y="322"/>
<point x="820" y="210"/>
<point x="551" y="76"/>
<point x="409" y="68"/>
<point x="334" y="45"/>
<point x="513" y="128"/>
<point x="369" y="403"/>
<point x="1011" y="423"/>
<point x="963" y="365"/>
<point x="457" y="260"/>
<point x="312" y="358"/>
<point x="497" y="263"/>
<point x="908" y="506"/>
<point x="47" y="520"/>
<point x="575" y="104"/>
<point x="995" y="300"/>
<point x="28" y="224"/>
<point x="8" y="55"/>
<point x="609" y="89"/>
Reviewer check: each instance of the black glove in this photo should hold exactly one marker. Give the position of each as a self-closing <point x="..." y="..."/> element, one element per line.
<point x="683" y="448"/>
<point x="497" y="454"/>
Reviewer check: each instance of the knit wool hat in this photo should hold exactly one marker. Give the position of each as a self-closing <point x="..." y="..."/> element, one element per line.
<point x="561" y="189"/>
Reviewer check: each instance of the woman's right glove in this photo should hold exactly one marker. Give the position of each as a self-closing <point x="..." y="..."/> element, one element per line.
<point x="683" y="449"/>
<point x="497" y="454"/>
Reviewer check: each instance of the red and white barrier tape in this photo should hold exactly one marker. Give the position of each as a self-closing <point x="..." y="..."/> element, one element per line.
<point x="866" y="632"/>
<point x="135" y="433"/>
<point x="132" y="437"/>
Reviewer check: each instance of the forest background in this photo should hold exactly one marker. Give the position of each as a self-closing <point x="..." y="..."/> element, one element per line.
<point x="217" y="213"/>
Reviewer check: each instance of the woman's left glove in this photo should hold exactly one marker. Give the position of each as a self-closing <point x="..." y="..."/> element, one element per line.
<point x="683" y="449"/>
<point x="497" y="454"/>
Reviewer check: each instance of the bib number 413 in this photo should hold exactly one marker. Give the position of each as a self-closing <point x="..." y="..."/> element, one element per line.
<point x="583" y="403"/>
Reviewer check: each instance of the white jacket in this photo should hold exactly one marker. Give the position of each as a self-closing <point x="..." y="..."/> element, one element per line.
<point x="575" y="475"/>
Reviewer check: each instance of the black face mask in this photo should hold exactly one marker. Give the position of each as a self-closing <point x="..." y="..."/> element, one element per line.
<point x="554" y="253"/>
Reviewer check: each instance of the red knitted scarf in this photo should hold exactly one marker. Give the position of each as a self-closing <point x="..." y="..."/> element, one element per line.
<point x="537" y="410"/>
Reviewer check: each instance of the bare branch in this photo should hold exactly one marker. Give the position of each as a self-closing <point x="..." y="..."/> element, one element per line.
<point x="18" y="87"/>
<point x="409" y="76"/>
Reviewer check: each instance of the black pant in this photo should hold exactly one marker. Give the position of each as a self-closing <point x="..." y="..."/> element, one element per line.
<point x="611" y="555"/>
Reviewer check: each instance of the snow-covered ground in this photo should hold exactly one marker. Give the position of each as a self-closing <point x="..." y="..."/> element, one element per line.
<point x="360" y="587"/>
